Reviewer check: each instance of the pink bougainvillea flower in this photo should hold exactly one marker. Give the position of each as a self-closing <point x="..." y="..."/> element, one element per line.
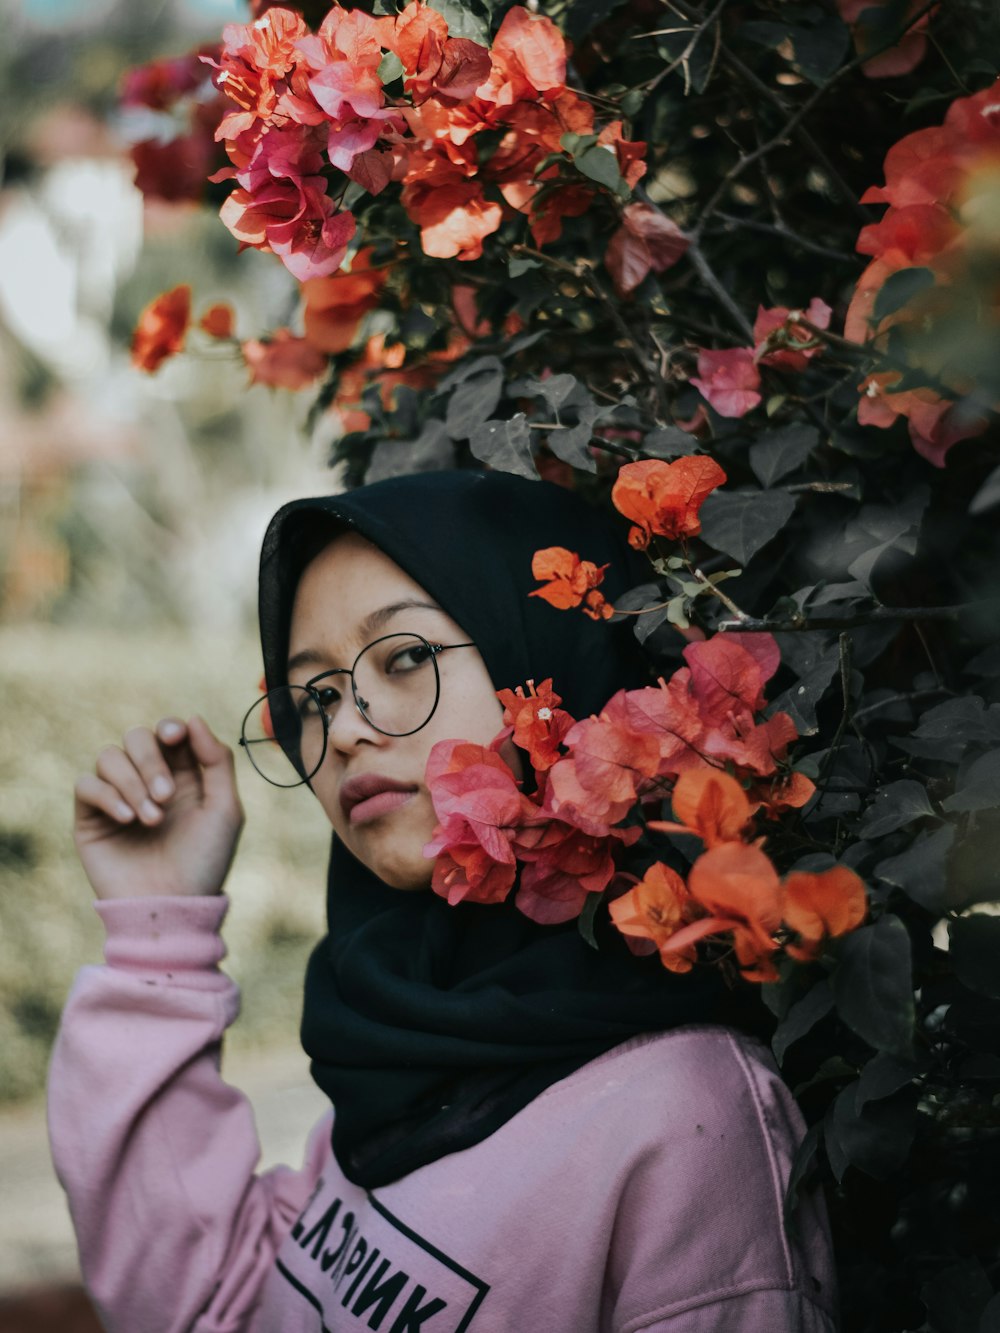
<point x="161" y="328"/>
<point x="780" y="339"/>
<point x="295" y="219"/>
<point x="729" y="380"/>
<point x="562" y="866"/>
<point x="710" y="804"/>
<point x="862" y="16"/>
<point x="480" y="810"/>
<point x="647" y="241"/>
<point x="817" y="906"/>
<point x="539" y="724"/>
<point x="528" y="57"/>
<point x="608" y="764"/>
<point x="664" y="499"/>
<point x="570" y="581"/>
<point x="730" y="669"/>
<point x="656" y="910"/>
<point x="283" y="361"/>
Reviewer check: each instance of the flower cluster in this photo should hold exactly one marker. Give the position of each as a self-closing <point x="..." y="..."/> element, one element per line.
<point x="938" y="184"/>
<point x="308" y="102"/>
<point x="698" y="738"/>
<point x="733" y="893"/>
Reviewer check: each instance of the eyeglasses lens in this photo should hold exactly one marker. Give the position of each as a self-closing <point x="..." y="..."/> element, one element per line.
<point x="396" y="686"/>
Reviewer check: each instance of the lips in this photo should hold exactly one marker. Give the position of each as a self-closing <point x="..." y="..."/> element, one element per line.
<point x="370" y="795"/>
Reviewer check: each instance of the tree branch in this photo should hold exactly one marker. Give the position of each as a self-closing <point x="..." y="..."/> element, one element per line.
<point x="797" y="623"/>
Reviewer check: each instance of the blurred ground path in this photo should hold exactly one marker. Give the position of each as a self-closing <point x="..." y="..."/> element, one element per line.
<point x="37" y="1248"/>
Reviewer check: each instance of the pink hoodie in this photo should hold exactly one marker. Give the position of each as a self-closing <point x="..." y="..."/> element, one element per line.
<point x="642" y="1192"/>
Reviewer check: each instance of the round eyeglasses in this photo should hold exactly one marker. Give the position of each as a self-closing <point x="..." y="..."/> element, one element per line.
<point x="396" y="686"/>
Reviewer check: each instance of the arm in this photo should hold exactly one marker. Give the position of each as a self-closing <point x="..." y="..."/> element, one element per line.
<point x="763" y="1311"/>
<point x="155" y="1151"/>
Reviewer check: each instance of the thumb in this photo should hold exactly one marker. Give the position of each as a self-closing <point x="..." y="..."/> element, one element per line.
<point x="216" y="760"/>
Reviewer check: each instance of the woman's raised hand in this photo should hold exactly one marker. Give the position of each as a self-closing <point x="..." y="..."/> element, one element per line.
<point x="161" y="814"/>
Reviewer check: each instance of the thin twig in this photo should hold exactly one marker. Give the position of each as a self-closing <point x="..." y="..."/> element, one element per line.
<point x="707" y="275"/>
<point x="786" y="234"/>
<point x="797" y="623"/>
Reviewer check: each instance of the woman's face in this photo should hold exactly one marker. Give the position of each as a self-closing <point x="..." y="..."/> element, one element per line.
<point x="349" y="595"/>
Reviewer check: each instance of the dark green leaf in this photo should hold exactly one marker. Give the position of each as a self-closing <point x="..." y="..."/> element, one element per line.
<point x="802" y="1018"/>
<point x="481" y="365"/>
<point x="779" y="452"/>
<point x="390" y="68"/>
<point x="876" y="1139"/>
<point x="979" y="788"/>
<point x="588" y="917"/>
<point x="893" y="807"/>
<point x="899" y="288"/>
<point x="882" y="1076"/>
<point x="518" y="264"/>
<point x="584" y="15"/>
<point x="873" y="985"/>
<point x="990" y="1320"/>
<point x="945" y="731"/>
<point x="957" y="1299"/>
<point x="805" y="1155"/>
<point x="669" y="442"/>
<point x="431" y="451"/>
<point x="988" y="495"/>
<point x="601" y="165"/>
<point x="920" y="871"/>
<point x="741" y="522"/>
<point x="472" y="403"/>
<point x="505" y="446"/>
<point x="975" y="952"/>
<point x="570" y="445"/>
<point x="816" y="666"/>
<point x="764" y="33"/>
<point x="555" y="389"/>
<point x="820" y="48"/>
<point x="465" y="19"/>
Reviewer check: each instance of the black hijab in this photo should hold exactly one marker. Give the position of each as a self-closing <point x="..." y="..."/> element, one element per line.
<point x="429" y="1026"/>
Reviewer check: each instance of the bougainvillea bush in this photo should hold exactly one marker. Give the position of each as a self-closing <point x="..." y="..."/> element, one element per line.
<point x="731" y="270"/>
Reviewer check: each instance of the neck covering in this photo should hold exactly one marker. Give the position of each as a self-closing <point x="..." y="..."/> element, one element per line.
<point x="429" y="1026"/>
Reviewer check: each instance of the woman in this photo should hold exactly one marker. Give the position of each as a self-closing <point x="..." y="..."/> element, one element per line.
<point x="525" y="1133"/>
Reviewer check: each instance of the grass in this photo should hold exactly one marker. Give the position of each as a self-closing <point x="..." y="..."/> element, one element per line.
<point x="66" y="692"/>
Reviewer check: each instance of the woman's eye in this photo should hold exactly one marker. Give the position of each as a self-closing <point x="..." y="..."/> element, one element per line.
<point x="409" y="659"/>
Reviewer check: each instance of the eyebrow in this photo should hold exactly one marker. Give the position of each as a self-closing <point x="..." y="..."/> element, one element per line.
<point x="377" y="620"/>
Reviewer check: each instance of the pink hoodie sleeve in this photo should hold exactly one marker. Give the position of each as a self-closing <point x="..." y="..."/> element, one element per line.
<point x="155" y="1151"/>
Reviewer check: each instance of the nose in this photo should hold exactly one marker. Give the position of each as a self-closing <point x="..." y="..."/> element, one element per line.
<point x="347" y="728"/>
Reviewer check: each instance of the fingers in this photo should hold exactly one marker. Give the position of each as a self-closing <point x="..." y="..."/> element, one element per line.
<point x="125" y="772"/>
<point x="218" y="766"/>
<point x="92" y="793"/>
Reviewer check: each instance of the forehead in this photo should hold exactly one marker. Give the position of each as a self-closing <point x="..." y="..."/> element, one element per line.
<point x="342" y="588"/>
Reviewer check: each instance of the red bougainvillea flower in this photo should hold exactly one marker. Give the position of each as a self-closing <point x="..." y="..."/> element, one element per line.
<point x="630" y="153"/>
<point x="283" y="361"/>
<point x="161" y="328"/>
<point x="218" y="320"/>
<point x="561" y="866"/>
<point x="710" y="804"/>
<point x="608" y="765"/>
<point x="434" y="62"/>
<point x="739" y="888"/>
<point x="655" y="910"/>
<point x="647" y="241"/>
<point x="781" y="340"/>
<point x="786" y="791"/>
<point x="335" y="306"/>
<point x="480" y="810"/>
<point x="539" y="724"/>
<point x="862" y="16"/>
<point x="294" y="219"/>
<point x="664" y="499"/>
<point x="570" y="582"/>
<point x="820" y="905"/>
<point x="729" y="380"/>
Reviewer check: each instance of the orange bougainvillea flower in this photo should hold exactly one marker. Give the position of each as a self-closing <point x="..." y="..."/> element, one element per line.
<point x="161" y="328"/>
<point x="539" y="723"/>
<point x="570" y="582"/>
<point x="334" y="306"/>
<point x="218" y="320"/>
<point x="710" y="804"/>
<point x="284" y="361"/>
<point x="816" y="906"/>
<point x="656" y="910"/>
<point x="664" y="499"/>
<point x="739" y="888"/>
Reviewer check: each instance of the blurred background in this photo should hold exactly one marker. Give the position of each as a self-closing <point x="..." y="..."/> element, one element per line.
<point x="131" y="512"/>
